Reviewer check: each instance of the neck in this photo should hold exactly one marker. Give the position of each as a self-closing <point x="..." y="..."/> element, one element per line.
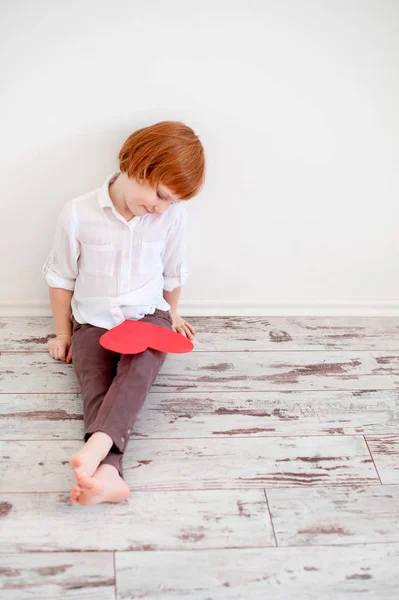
<point x="118" y="199"/>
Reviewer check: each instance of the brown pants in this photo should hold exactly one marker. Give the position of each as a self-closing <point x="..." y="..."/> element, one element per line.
<point x="114" y="386"/>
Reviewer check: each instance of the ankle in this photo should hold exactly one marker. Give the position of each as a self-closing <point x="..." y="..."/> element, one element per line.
<point x="100" y="443"/>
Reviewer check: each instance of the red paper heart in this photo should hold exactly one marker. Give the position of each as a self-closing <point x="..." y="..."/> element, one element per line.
<point x="132" y="337"/>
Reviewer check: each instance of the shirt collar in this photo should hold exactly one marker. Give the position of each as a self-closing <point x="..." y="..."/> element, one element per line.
<point x="104" y="198"/>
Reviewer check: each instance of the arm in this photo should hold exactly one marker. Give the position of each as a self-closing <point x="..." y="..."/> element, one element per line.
<point x="178" y="323"/>
<point x="60" y="272"/>
<point x="61" y="307"/>
<point x="175" y="272"/>
<point x="60" y="347"/>
<point x="172" y="298"/>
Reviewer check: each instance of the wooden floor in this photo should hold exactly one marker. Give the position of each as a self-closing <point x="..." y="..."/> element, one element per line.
<point x="264" y="464"/>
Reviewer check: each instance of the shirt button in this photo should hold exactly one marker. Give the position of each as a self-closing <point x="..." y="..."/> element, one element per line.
<point x="122" y="439"/>
<point x="129" y="431"/>
<point x="126" y="255"/>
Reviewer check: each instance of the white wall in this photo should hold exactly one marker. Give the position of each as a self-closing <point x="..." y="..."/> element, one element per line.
<point x="295" y="101"/>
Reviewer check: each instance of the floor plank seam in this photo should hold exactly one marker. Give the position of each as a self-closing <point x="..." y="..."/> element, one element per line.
<point x="172" y="491"/>
<point x="239" y="488"/>
<point x="210" y="437"/>
<point x="270" y="517"/>
<point x="372" y="458"/>
<point x="266" y="350"/>
<point x="115" y="573"/>
<point x="394" y="387"/>
<point x="205" y="549"/>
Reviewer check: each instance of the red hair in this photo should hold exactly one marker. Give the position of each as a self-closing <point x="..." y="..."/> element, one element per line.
<point x="167" y="153"/>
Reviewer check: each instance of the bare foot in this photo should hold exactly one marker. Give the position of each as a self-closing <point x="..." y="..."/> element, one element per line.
<point x="85" y="462"/>
<point x="105" y="486"/>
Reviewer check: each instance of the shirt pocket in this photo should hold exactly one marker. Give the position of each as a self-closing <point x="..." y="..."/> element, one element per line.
<point x="150" y="261"/>
<point x="98" y="261"/>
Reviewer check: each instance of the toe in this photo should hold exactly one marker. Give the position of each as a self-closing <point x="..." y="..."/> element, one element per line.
<point x="76" y="491"/>
<point x="75" y="461"/>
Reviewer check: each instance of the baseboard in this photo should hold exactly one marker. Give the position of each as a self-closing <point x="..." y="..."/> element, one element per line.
<point x="300" y="308"/>
<point x="249" y="308"/>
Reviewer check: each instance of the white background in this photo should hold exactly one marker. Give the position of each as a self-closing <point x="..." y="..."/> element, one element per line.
<point x="295" y="101"/>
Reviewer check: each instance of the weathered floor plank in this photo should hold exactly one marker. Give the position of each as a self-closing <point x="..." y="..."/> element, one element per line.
<point x="279" y="573"/>
<point x="146" y="521"/>
<point x="24" y="334"/>
<point x="207" y="372"/>
<point x="220" y="334"/>
<point x="224" y="463"/>
<point x="385" y="452"/>
<point x="388" y="363"/>
<point x="225" y="414"/>
<point x="76" y="576"/>
<point x="316" y="516"/>
<point x="251" y="462"/>
<point x="41" y="416"/>
<point x="362" y="333"/>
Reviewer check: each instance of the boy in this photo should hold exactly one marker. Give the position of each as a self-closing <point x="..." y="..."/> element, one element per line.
<point x="118" y="253"/>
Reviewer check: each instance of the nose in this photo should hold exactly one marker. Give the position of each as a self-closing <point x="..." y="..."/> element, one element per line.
<point x="153" y="207"/>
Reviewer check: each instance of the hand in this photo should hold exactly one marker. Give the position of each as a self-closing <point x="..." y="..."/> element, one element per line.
<point x="182" y="326"/>
<point x="60" y="347"/>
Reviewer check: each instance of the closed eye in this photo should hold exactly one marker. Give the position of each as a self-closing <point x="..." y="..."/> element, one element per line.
<point x="162" y="198"/>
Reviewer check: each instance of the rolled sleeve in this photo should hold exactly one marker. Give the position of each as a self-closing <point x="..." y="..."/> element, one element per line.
<point x="61" y="267"/>
<point x="175" y="270"/>
<point x="172" y="282"/>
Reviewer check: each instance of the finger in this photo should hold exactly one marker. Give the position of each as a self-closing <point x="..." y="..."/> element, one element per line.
<point x="188" y="333"/>
<point x="190" y="327"/>
<point x="181" y="331"/>
<point x="61" y="353"/>
<point x="69" y="356"/>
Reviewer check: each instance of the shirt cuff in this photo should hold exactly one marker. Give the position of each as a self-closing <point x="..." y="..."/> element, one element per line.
<point x="55" y="280"/>
<point x="172" y="282"/>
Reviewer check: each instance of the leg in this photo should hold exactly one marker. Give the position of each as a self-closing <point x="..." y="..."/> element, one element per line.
<point x="95" y="369"/>
<point x="116" y="416"/>
<point x="135" y="376"/>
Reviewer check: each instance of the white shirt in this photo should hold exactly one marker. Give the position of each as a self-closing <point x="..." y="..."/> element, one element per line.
<point x="117" y="269"/>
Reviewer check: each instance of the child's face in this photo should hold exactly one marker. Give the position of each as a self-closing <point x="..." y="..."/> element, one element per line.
<point x="141" y="199"/>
